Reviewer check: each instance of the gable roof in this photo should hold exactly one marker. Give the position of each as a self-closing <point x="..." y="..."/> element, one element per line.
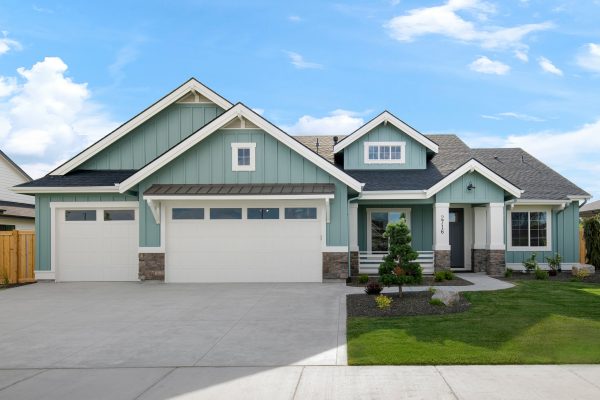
<point x="15" y="166"/>
<point x="386" y="117"/>
<point x="239" y="110"/>
<point x="101" y="180"/>
<point x="189" y="86"/>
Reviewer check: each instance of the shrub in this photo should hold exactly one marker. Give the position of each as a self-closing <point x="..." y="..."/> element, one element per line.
<point x="591" y="233"/>
<point x="531" y="264"/>
<point x="364" y="278"/>
<point x="449" y="275"/>
<point x="554" y="262"/>
<point x="436" y="302"/>
<point x="508" y="273"/>
<point x="439" y="276"/>
<point x="383" y="302"/>
<point x="373" y="288"/>
<point x="399" y="266"/>
<point x="541" y="274"/>
<point x="581" y="274"/>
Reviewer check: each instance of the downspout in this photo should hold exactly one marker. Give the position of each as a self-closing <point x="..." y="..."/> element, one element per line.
<point x="348" y="224"/>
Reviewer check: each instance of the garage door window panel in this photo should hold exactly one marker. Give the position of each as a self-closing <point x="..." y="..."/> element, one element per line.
<point x="263" y="213"/>
<point x="119" y="215"/>
<point x="301" y="213"/>
<point x="80" y="215"/>
<point x="187" y="213"/>
<point x="225" y="213"/>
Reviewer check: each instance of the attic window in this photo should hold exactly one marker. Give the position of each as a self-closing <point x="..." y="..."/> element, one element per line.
<point x="385" y="153"/>
<point x="243" y="156"/>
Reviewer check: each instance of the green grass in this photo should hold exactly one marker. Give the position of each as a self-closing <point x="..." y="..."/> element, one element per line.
<point x="537" y="322"/>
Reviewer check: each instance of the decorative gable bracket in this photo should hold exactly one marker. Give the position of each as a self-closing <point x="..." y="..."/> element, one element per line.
<point x="155" y="209"/>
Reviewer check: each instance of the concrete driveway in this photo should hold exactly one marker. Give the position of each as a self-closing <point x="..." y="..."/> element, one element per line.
<point x="85" y="325"/>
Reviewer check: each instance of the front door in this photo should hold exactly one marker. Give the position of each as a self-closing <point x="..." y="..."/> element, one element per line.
<point x="457" y="238"/>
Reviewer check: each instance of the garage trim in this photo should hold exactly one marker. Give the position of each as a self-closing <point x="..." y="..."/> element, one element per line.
<point x="60" y="205"/>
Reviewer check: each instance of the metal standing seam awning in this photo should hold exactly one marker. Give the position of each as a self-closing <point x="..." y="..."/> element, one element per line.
<point x="242" y="191"/>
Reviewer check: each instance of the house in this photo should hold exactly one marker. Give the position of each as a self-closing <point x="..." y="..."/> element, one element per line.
<point x="197" y="189"/>
<point x="590" y="209"/>
<point x="17" y="211"/>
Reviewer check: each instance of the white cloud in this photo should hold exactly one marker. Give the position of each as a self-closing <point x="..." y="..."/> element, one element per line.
<point x="295" y="18"/>
<point x="7" y="44"/>
<point x="47" y="117"/>
<point x="299" y="62"/>
<point x="486" y="66"/>
<point x="515" y="115"/>
<point x="445" y="20"/>
<point x="522" y="55"/>
<point x="547" y="66"/>
<point x="7" y="85"/>
<point x="589" y="57"/>
<point x="338" y="122"/>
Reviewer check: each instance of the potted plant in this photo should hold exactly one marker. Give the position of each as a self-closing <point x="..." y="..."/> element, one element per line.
<point x="554" y="264"/>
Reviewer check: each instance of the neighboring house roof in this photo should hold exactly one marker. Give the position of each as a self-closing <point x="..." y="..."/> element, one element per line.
<point x="20" y="210"/>
<point x="14" y="164"/>
<point x="191" y="85"/>
<point x="322" y="145"/>
<point x="248" y="189"/>
<point x="82" y="178"/>
<point x="10" y="175"/>
<point x="590" y="209"/>
<point x="386" y="117"/>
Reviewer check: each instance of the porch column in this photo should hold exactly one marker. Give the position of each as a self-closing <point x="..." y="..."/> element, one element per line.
<point x="479" y="257"/>
<point x="353" y="226"/>
<point x="496" y="247"/>
<point x="441" y="236"/>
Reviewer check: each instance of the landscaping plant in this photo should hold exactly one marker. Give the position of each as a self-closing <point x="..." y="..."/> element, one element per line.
<point x="439" y="276"/>
<point x="364" y="278"/>
<point x="541" y="274"/>
<point x="581" y="274"/>
<point x="436" y="302"/>
<point x="448" y="275"/>
<point x="383" y="302"/>
<point x="591" y="233"/>
<point x="554" y="264"/>
<point x="508" y="273"/>
<point x="531" y="264"/>
<point x="373" y="288"/>
<point x="399" y="266"/>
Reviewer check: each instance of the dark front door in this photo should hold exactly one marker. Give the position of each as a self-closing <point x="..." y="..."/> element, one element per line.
<point x="457" y="238"/>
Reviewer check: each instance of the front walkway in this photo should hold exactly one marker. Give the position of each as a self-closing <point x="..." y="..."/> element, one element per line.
<point x="530" y="382"/>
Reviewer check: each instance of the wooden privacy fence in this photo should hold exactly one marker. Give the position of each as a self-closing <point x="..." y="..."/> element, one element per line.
<point x="17" y="257"/>
<point x="581" y="246"/>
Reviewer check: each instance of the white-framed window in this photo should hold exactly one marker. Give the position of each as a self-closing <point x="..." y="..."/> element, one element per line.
<point x="529" y="229"/>
<point x="385" y="152"/>
<point x="243" y="156"/>
<point x="378" y="219"/>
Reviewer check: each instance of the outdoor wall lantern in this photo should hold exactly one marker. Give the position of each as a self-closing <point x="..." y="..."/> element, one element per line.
<point x="471" y="186"/>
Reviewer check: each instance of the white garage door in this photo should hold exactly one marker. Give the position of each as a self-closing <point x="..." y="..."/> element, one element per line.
<point x="244" y="241"/>
<point x="96" y="244"/>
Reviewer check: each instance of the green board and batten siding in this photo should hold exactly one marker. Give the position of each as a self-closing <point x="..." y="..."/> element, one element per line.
<point x="415" y="153"/>
<point x="42" y="219"/>
<point x="485" y="191"/>
<point x="565" y="238"/>
<point x="154" y="137"/>
<point x="210" y="162"/>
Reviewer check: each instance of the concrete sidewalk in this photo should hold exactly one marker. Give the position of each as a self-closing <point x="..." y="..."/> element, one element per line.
<point x="306" y="382"/>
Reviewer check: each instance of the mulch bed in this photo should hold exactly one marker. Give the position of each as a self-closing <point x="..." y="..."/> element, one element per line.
<point x="564" y="276"/>
<point x="427" y="281"/>
<point x="411" y="303"/>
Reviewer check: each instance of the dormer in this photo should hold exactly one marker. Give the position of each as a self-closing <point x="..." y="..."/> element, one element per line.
<point x="385" y="142"/>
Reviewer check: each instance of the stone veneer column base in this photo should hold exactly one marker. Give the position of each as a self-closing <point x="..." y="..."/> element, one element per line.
<point x="496" y="262"/>
<point x="479" y="260"/>
<point x="441" y="260"/>
<point x="151" y="266"/>
<point x="335" y="264"/>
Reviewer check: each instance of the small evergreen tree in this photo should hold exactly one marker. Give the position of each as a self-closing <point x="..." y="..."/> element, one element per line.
<point x="591" y="233"/>
<point x="398" y="267"/>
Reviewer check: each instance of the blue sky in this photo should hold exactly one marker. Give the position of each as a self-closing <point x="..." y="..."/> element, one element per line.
<point x="511" y="73"/>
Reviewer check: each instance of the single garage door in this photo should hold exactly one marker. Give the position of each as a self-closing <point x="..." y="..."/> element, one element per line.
<point x="96" y="244"/>
<point x="244" y="242"/>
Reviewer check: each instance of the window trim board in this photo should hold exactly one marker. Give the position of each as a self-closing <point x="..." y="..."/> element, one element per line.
<point x="528" y="210"/>
<point x="234" y="157"/>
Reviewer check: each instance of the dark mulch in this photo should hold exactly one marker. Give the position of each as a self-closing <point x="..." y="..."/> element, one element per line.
<point x="427" y="281"/>
<point x="411" y="303"/>
<point x="564" y="276"/>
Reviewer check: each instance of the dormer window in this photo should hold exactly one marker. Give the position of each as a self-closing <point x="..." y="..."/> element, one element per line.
<point x="243" y="156"/>
<point x="385" y="152"/>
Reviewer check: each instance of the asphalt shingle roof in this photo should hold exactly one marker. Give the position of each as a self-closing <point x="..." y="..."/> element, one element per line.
<point x="82" y="178"/>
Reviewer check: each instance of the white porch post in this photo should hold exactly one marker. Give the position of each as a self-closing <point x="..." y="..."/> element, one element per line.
<point x="441" y="229"/>
<point x="495" y="226"/>
<point x="353" y="226"/>
<point x="479" y="228"/>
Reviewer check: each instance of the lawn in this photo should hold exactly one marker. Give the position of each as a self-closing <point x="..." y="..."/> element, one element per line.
<point x="537" y="322"/>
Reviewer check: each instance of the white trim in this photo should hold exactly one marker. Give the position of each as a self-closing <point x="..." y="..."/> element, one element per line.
<point x="565" y="266"/>
<point x="470" y="166"/>
<point x="150" y="250"/>
<point x="441" y="226"/>
<point x="157" y="197"/>
<point x="150" y="112"/>
<point x="44" y="275"/>
<point x="335" y="249"/>
<point x="394" y="195"/>
<point x="234" y="156"/>
<point x="261" y="123"/>
<point x="529" y="209"/>
<point x="406" y="211"/>
<point x="401" y="160"/>
<point x="579" y="197"/>
<point x="66" y="189"/>
<point x="538" y="202"/>
<point x="385" y="116"/>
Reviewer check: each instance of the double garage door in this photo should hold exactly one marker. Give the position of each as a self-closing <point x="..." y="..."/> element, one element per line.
<point x="272" y="241"/>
